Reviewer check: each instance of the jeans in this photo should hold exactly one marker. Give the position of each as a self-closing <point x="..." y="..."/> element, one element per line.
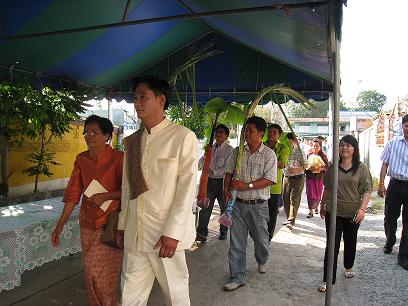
<point x="214" y="191"/>
<point x="397" y="196"/>
<point x="273" y="205"/>
<point x="252" y="219"/>
<point x="349" y="231"/>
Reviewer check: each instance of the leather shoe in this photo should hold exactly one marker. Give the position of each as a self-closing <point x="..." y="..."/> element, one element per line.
<point x="222" y="237"/>
<point x="387" y="249"/>
<point x="403" y="263"/>
<point x="200" y="239"/>
<point x="232" y="286"/>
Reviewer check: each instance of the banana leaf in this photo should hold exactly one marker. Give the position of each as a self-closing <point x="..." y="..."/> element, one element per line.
<point x="286" y="93"/>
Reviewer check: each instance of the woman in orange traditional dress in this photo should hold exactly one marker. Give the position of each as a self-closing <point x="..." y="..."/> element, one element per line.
<point x="100" y="162"/>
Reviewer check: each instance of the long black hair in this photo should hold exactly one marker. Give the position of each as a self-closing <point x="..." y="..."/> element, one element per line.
<point x="351" y="140"/>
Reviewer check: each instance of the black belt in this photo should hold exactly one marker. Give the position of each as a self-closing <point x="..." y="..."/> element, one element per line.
<point x="399" y="181"/>
<point x="295" y="177"/>
<point x="216" y="178"/>
<point x="256" y="201"/>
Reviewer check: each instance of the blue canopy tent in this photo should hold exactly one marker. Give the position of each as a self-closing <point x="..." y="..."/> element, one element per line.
<point x="103" y="45"/>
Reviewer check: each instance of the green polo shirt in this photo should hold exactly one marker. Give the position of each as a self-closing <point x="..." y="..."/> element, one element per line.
<point x="282" y="154"/>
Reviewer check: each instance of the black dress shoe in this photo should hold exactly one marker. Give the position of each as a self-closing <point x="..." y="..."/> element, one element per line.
<point x="200" y="239"/>
<point x="387" y="249"/>
<point x="403" y="263"/>
<point x="222" y="237"/>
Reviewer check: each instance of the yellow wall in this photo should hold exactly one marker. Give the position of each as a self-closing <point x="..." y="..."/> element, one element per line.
<point x="66" y="150"/>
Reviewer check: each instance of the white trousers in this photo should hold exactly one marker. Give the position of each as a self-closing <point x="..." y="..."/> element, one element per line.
<point x="139" y="269"/>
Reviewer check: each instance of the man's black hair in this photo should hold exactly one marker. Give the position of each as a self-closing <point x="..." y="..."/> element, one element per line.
<point x="275" y="126"/>
<point x="224" y="127"/>
<point x="404" y="119"/>
<point x="291" y="136"/>
<point x="259" y="123"/>
<point x="158" y="86"/>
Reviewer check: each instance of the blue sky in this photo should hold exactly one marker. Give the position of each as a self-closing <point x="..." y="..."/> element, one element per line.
<point x="374" y="49"/>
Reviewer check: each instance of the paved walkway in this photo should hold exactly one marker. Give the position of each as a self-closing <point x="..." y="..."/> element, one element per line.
<point x="295" y="270"/>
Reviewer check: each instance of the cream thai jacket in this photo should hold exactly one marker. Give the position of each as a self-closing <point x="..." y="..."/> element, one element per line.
<point x="169" y="165"/>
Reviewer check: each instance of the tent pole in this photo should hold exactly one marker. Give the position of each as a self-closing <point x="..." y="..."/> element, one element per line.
<point x="335" y="9"/>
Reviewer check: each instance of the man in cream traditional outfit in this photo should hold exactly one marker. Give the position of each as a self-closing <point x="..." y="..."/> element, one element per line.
<point x="156" y="223"/>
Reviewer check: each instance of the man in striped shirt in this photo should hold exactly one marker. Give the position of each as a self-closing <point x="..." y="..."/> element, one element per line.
<point x="395" y="165"/>
<point x="258" y="170"/>
<point x="293" y="182"/>
<point x="221" y="151"/>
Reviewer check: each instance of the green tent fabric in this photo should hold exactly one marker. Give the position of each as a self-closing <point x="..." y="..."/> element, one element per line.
<point x="103" y="44"/>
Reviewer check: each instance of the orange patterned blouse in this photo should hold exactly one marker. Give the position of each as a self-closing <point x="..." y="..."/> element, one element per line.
<point x="107" y="170"/>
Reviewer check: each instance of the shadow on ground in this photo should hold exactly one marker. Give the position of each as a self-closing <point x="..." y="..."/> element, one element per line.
<point x="294" y="271"/>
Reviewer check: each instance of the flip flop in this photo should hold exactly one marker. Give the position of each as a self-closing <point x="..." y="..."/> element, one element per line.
<point x="349" y="274"/>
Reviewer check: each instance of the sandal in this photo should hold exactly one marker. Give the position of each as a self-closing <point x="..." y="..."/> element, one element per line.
<point x="322" y="287"/>
<point x="349" y="274"/>
<point x="309" y="215"/>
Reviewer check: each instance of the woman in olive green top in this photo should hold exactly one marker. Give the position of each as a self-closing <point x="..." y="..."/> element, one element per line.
<point x="354" y="190"/>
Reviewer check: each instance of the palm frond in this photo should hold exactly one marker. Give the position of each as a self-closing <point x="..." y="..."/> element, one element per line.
<point x="287" y="93"/>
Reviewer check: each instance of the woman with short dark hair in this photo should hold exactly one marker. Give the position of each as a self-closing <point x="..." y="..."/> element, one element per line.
<point x="101" y="163"/>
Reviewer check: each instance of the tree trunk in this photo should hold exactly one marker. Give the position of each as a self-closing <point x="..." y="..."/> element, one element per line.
<point x="40" y="161"/>
<point x="4" y="162"/>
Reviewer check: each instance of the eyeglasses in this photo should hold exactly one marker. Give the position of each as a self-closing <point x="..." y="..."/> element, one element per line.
<point x="90" y="134"/>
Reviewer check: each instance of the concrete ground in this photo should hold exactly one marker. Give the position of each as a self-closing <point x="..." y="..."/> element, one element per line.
<point x="294" y="272"/>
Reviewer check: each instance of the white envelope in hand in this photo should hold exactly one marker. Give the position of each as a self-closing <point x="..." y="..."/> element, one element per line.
<point x="96" y="187"/>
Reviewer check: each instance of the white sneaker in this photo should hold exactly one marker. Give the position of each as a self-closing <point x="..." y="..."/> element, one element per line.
<point x="232" y="286"/>
<point x="262" y="268"/>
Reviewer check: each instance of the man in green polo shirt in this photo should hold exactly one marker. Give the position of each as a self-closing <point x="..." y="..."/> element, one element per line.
<point x="282" y="154"/>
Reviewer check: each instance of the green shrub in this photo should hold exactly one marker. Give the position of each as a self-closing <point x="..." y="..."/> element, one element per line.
<point x="376" y="182"/>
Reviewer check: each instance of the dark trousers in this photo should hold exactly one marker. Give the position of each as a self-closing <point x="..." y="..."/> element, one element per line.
<point x="273" y="206"/>
<point x="292" y="195"/>
<point x="215" y="190"/>
<point x="349" y="231"/>
<point x="397" y="196"/>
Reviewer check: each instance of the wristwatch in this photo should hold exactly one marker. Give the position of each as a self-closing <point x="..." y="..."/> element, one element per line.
<point x="250" y="185"/>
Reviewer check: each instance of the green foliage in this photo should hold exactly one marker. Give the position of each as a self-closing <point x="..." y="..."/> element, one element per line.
<point x="321" y="109"/>
<point x="377" y="204"/>
<point x="370" y="100"/>
<point x="227" y="114"/>
<point x="184" y="76"/>
<point x="376" y="182"/>
<point x="28" y="112"/>
<point x="41" y="161"/>
<point x="194" y="118"/>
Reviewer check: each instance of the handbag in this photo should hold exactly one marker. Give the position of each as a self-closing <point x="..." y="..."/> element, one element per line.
<point x="109" y="233"/>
